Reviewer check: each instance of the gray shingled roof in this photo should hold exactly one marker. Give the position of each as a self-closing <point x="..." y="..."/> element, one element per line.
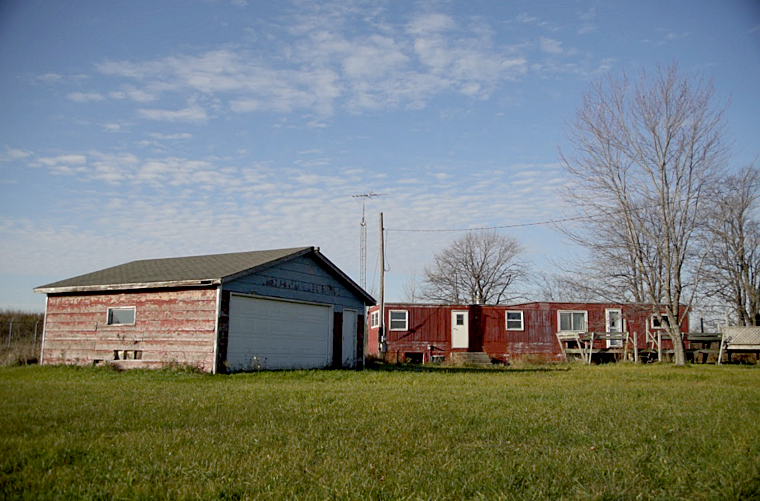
<point x="175" y="271"/>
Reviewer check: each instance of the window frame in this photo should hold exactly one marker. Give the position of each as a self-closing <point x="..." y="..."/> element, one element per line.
<point x="374" y="319"/>
<point x="662" y="326"/>
<point x="390" y="320"/>
<point x="109" y="315"/>
<point x="459" y="316"/>
<point x="572" y="312"/>
<point x="522" y="320"/>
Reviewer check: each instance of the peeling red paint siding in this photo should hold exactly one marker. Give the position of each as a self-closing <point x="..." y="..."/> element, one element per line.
<point x="177" y="326"/>
<point x="429" y="329"/>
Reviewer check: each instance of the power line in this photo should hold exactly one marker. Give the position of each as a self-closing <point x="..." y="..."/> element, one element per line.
<point x="519" y="225"/>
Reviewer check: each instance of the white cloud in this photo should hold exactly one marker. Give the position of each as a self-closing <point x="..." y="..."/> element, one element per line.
<point x="550" y="46"/>
<point x="50" y="77"/>
<point x="191" y="114"/>
<point x="374" y="59"/>
<point x="587" y="19"/>
<point x="246" y="105"/>
<point x="170" y="137"/>
<point x="63" y="159"/>
<point x="13" y="154"/>
<point x="130" y="92"/>
<point x="431" y="23"/>
<point x="85" y="97"/>
<point x="525" y="18"/>
<point x="324" y="68"/>
<point x="192" y="204"/>
<point x="112" y="127"/>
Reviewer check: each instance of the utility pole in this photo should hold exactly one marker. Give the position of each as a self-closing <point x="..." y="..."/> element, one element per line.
<point x="363" y="238"/>
<point x="383" y="345"/>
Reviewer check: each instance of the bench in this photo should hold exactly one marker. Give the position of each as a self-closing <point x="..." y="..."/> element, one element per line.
<point x="740" y="339"/>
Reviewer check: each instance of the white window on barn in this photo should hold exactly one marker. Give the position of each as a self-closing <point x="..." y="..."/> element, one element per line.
<point x="514" y="320"/>
<point x="374" y="319"/>
<point x="121" y="316"/>
<point x="572" y="320"/>
<point x="399" y="320"/>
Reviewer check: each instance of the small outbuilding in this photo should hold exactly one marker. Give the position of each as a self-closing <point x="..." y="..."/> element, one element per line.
<point x="273" y="309"/>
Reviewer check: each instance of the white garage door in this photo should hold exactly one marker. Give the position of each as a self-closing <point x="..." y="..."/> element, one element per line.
<point x="271" y="334"/>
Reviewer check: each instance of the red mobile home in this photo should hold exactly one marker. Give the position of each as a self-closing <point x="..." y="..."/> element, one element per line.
<point x="424" y="332"/>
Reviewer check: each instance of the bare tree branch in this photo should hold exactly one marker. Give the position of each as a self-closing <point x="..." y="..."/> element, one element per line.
<point x="645" y="155"/>
<point x="477" y="268"/>
<point x="732" y="267"/>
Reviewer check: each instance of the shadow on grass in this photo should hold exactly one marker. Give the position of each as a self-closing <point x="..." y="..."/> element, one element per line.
<point x="383" y="367"/>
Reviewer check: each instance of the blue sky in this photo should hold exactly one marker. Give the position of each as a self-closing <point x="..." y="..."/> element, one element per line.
<point x="133" y="130"/>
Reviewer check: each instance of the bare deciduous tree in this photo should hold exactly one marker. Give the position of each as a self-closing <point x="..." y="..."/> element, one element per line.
<point x="644" y="155"/>
<point x="732" y="267"/>
<point x="411" y="289"/>
<point x="477" y="268"/>
<point x="566" y="286"/>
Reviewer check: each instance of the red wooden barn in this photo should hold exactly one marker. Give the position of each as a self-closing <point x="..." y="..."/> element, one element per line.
<point x="424" y="333"/>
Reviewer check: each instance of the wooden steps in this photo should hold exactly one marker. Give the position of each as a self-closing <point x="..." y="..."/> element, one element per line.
<point x="473" y="359"/>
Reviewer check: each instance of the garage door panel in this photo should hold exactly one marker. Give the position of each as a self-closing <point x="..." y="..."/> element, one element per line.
<point x="273" y="334"/>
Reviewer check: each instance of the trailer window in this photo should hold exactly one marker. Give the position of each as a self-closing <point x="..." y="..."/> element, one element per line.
<point x="572" y="320"/>
<point x="514" y="321"/>
<point x="399" y="320"/>
<point x="374" y="319"/>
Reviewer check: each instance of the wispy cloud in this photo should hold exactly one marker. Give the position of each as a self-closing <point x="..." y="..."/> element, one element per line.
<point x="191" y="114"/>
<point x="525" y="18"/>
<point x="85" y="97"/>
<point x="587" y="21"/>
<point x="324" y="68"/>
<point x="257" y="206"/>
<point x="13" y="154"/>
<point x="550" y="46"/>
<point x="130" y="92"/>
<point x="170" y="137"/>
<point x="50" y="77"/>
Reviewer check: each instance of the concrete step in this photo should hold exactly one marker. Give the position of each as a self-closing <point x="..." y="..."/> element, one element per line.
<point x="476" y="358"/>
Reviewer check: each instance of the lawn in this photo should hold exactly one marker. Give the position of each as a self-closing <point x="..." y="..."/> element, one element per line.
<point x="571" y="432"/>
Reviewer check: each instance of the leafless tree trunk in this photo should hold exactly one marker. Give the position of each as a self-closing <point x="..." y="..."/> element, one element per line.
<point x="733" y="263"/>
<point x="644" y="155"/>
<point x="477" y="268"/>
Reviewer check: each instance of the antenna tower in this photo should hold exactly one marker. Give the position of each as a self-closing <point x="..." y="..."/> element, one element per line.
<point x="363" y="238"/>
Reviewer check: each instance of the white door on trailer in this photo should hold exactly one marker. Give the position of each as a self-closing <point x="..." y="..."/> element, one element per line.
<point x="460" y="329"/>
<point x="614" y="324"/>
<point x="274" y="334"/>
<point x="349" y="338"/>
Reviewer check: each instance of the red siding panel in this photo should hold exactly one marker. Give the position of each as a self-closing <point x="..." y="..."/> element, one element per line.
<point x="429" y="329"/>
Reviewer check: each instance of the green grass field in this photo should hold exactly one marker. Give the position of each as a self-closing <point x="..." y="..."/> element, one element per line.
<point x="571" y="432"/>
